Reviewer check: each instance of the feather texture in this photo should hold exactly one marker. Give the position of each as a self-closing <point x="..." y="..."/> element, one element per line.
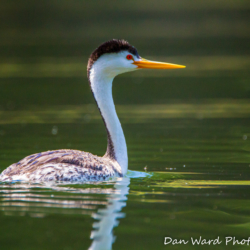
<point x="62" y="165"/>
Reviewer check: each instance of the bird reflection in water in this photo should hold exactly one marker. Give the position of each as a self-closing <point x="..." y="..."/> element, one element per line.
<point x="102" y="236"/>
<point x="38" y="201"/>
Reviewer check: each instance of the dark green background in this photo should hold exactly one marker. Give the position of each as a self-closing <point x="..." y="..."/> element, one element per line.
<point x="199" y="160"/>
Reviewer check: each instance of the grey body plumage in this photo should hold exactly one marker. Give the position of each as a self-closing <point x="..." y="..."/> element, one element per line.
<point x="62" y="165"/>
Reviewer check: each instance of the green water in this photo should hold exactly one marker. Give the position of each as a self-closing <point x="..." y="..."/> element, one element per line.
<point x="198" y="170"/>
<point x="187" y="130"/>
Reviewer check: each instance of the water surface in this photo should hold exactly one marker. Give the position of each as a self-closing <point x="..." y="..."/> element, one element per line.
<point x="190" y="178"/>
<point x="187" y="131"/>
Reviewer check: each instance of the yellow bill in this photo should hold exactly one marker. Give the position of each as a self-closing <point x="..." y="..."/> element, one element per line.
<point x="146" y="64"/>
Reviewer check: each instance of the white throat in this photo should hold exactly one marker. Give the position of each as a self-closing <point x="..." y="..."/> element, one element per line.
<point x="101" y="85"/>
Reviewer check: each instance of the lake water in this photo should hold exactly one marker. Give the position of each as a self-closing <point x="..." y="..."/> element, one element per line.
<point x="187" y="130"/>
<point x="189" y="164"/>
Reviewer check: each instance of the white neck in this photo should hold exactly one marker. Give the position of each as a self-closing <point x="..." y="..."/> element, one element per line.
<point x="101" y="85"/>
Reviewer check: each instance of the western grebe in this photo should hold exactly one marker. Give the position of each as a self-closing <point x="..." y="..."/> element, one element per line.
<point x="107" y="61"/>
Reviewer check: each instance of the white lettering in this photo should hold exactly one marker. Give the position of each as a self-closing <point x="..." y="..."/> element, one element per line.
<point x="196" y="241"/>
<point x="175" y="242"/>
<point x="248" y="241"/>
<point x="228" y="239"/>
<point x="217" y="241"/>
<point x="242" y="242"/>
<point x="183" y="241"/>
<point x="167" y="238"/>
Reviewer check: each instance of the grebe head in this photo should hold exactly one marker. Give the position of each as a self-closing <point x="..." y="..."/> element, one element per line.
<point x="118" y="56"/>
<point x="113" y="57"/>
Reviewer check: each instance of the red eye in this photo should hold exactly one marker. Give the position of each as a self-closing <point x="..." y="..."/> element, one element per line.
<point x="129" y="57"/>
